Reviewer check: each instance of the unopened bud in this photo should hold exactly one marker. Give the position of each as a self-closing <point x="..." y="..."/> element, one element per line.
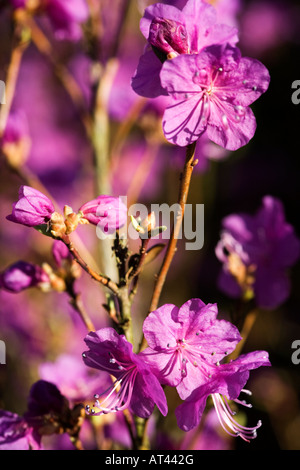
<point x="168" y="37"/>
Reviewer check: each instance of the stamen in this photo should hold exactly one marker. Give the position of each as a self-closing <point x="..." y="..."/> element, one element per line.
<point x="118" y="396"/>
<point x="230" y="426"/>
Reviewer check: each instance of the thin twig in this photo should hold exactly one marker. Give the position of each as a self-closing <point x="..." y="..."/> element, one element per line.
<point x="12" y="75"/>
<point x="135" y="273"/>
<point x="247" y="327"/>
<point x="76" y="302"/>
<point x="104" y="280"/>
<point x="171" y="249"/>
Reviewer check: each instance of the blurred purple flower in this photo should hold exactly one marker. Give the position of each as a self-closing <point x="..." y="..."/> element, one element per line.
<point x="48" y="411"/>
<point x="139" y="389"/>
<point x="22" y="275"/>
<point x="75" y="381"/>
<point x="260" y="22"/>
<point x="44" y="398"/>
<point x="182" y="341"/>
<point x="228" y="11"/>
<point x="211" y="92"/>
<point x="226" y="382"/>
<point x="65" y="17"/>
<point x="107" y="212"/>
<point x="15" y="434"/>
<point x="256" y="252"/>
<point x="195" y="28"/>
<point x="16" y="128"/>
<point x="33" y="208"/>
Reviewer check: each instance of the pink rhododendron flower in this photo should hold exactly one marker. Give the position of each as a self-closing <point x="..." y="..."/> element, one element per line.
<point x="182" y="341"/>
<point x="211" y="92"/>
<point x="226" y="382"/>
<point x="256" y="252"/>
<point x="136" y="387"/>
<point x="172" y="31"/>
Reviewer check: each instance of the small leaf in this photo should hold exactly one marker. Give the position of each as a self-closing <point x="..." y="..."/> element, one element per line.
<point x="157" y="231"/>
<point x="44" y="230"/>
<point x="153" y="252"/>
<point x="136" y="225"/>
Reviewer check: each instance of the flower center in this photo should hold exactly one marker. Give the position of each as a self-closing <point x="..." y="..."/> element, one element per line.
<point x="118" y="396"/>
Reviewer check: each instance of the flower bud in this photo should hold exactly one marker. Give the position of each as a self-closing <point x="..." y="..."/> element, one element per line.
<point x="33" y="208"/>
<point x="22" y="275"/>
<point x="107" y="212"/>
<point x="67" y="266"/>
<point x="168" y="36"/>
<point x="60" y="253"/>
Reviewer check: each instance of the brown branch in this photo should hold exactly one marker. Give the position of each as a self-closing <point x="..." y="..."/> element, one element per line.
<point x="76" y="302"/>
<point x="246" y="330"/>
<point x="104" y="280"/>
<point x="135" y="273"/>
<point x="19" y="47"/>
<point x="171" y="249"/>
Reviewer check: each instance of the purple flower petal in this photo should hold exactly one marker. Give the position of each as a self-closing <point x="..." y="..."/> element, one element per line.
<point x="146" y="81"/>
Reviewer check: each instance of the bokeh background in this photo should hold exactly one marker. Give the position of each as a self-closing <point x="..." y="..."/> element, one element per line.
<point x="39" y="327"/>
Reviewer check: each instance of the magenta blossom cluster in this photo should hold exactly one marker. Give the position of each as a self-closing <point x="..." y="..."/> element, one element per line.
<point x="195" y="61"/>
<point x="256" y="252"/>
<point x="186" y="346"/>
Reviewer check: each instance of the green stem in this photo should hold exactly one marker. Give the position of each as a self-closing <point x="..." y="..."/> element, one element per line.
<point x="142" y="441"/>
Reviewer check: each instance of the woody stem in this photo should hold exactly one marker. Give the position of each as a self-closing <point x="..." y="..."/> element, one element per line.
<point x="185" y="181"/>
